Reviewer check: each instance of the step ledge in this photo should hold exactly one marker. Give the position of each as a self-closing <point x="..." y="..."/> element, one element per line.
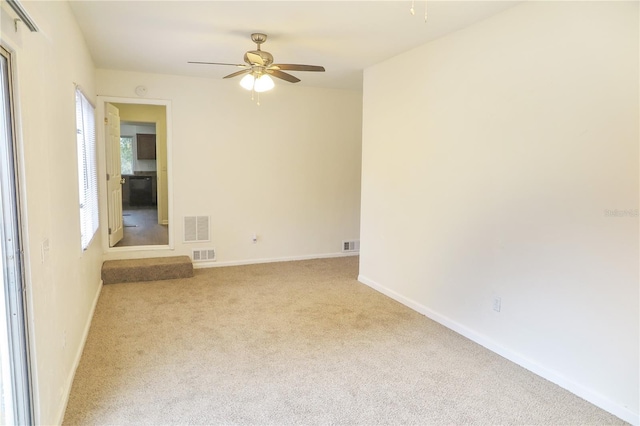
<point x="147" y="269"/>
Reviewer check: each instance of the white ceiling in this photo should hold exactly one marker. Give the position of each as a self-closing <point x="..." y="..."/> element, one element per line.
<point x="343" y="36"/>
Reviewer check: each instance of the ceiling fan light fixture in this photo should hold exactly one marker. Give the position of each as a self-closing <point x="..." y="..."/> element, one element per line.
<point x="261" y="83"/>
<point x="264" y="83"/>
<point x="247" y="82"/>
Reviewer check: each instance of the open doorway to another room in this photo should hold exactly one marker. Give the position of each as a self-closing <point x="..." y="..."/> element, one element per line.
<point x="137" y="175"/>
<point x="142" y="224"/>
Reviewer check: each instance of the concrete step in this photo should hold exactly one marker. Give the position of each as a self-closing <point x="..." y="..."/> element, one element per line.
<point x="150" y="269"/>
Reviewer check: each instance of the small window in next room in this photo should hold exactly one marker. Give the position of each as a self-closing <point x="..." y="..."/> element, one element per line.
<point x="126" y="155"/>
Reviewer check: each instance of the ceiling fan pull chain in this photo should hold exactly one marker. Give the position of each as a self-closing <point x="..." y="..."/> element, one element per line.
<point x="425" y="11"/>
<point x="253" y="90"/>
<point x="413" y="10"/>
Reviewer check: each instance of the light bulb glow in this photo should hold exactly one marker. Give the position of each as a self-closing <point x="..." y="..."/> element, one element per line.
<point x="263" y="83"/>
<point x="247" y="82"/>
<point x="259" y="83"/>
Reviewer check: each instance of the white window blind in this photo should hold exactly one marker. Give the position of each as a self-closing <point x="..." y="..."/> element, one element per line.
<point x="87" y="168"/>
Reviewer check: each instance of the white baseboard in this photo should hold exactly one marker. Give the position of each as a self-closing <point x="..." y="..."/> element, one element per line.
<point x="215" y="264"/>
<point x="553" y="376"/>
<point x="76" y="361"/>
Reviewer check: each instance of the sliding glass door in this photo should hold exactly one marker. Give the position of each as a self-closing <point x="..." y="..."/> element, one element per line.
<point x="15" y="390"/>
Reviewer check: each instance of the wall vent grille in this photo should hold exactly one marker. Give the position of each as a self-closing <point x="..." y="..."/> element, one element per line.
<point x="351" y="246"/>
<point x="204" y="254"/>
<point x="196" y="228"/>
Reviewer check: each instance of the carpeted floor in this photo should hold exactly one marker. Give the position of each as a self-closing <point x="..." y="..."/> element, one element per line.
<point x="299" y="343"/>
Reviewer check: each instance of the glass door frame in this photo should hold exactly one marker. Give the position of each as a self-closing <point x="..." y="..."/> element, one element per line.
<point x="16" y="374"/>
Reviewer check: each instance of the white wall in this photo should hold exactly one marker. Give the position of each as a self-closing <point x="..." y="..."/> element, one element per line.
<point x="487" y="169"/>
<point x="61" y="290"/>
<point x="287" y="170"/>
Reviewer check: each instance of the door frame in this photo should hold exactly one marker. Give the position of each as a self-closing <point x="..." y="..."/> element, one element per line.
<point x="102" y="170"/>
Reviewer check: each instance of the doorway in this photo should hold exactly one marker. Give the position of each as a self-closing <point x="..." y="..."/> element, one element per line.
<point x="142" y="220"/>
<point x="137" y="163"/>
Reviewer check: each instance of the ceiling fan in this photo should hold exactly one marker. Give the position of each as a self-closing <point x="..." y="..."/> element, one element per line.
<point x="259" y="66"/>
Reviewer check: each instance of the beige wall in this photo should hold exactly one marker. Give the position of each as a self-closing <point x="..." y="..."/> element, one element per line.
<point x="62" y="289"/>
<point x="153" y="114"/>
<point x="487" y="171"/>
<point x="287" y="170"/>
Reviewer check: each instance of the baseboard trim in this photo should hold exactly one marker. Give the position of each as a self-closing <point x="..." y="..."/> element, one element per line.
<point x="76" y="361"/>
<point x="553" y="376"/>
<point x="215" y="264"/>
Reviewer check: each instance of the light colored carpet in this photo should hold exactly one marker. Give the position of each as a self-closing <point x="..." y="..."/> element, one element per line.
<point x="295" y="343"/>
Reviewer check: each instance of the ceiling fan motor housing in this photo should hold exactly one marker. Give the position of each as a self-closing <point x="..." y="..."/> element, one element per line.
<point x="258" y="57"/>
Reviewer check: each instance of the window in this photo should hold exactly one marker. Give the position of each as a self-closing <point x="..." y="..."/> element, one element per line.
<point x="126" y="155"/>
<point x="87" y="170"/>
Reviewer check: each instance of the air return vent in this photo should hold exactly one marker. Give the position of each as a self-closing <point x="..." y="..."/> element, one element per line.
<point x="204" y="254"/>
<point x="351" y="246"/>
<point x="196" y="228"/>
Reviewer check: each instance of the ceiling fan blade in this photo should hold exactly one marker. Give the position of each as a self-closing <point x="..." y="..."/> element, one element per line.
<point x="237" y="73"/>
<point x="283" y="75"/>
<point x="296" y="67"/>
<point x="218" y="63"/>
<point x="254" y="59"/>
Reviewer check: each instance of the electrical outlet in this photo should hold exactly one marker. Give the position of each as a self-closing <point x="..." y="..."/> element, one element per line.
<point x="497" y="303"/>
